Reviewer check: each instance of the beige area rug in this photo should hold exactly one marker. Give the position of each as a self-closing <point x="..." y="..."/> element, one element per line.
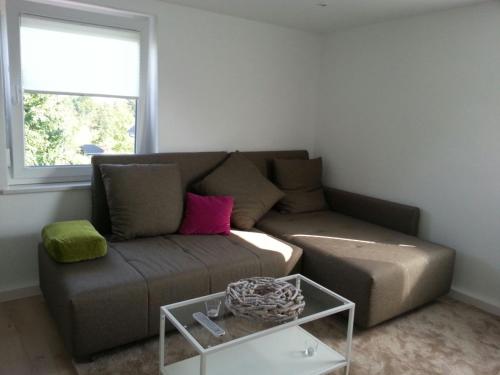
<point x="446" y="337"/>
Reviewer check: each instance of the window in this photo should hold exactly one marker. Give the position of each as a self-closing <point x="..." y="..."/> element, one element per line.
<point x="81" y="85"/>
<point x="78" y="87"/>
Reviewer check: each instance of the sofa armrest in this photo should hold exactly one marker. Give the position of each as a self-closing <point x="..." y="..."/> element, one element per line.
<point x="396" y="216"/>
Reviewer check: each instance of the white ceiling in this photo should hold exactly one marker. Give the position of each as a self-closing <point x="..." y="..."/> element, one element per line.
<point x="307" y="15"/>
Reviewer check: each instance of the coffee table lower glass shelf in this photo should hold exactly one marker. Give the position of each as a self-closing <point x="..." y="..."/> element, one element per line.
<point x="277" y="349"/>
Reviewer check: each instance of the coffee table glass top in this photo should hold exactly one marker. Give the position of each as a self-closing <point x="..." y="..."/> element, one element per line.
<point x="320" y="302"/>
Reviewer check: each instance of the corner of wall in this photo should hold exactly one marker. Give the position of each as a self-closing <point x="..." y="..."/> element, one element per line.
<point x="3" y="138"/>
<point x="320" y="92"/>
<point x="470" y="299"/>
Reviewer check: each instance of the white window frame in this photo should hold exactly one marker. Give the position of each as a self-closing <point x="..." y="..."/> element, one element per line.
<point x="11" y="16"/>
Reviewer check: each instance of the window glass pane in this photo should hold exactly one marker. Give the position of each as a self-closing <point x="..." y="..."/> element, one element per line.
<point x="64" y="57"/>
<point x="69" y="129"/>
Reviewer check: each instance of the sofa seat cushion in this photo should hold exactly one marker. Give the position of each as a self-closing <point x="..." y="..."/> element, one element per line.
<point x="179" y="267"/>
<point x="97" y="303"/>
<point x="171" y="274"/>
<point x="239" y="255"/>
<point x="115" y="300"/>
<point x="383" y="271"/>
<point x="223" y="259"/>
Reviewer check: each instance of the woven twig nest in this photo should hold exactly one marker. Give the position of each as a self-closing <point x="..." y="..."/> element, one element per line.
<point x="264" y="299"/>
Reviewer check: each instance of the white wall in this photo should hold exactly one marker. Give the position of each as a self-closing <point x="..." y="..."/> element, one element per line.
<point x="224" y="84"/>
<point x="411" y="113"/>
<point x="228" y="83"/>
<point x="21" y="219"/>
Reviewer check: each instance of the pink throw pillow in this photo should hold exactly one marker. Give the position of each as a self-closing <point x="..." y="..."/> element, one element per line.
<point x="207" y="214"/>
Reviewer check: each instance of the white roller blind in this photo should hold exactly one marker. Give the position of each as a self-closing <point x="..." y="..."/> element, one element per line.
<point x="64" y="57"/>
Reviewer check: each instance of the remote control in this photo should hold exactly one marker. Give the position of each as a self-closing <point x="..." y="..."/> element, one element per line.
<point x="209" y="324"/>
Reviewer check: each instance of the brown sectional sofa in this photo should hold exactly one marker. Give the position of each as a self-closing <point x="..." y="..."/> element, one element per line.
<point x="363" y="248"/>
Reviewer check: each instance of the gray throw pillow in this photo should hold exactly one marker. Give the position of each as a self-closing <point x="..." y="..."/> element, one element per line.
<point x="301" y="182"/>
<point x="144" y="200"/>
<point x="253" y="193"/>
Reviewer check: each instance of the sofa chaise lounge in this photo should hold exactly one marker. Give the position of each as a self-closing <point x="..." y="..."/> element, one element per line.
<point x="363" y="248"/>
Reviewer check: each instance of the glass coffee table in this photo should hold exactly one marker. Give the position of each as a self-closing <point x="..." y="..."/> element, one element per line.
<point x="250" y="347"/>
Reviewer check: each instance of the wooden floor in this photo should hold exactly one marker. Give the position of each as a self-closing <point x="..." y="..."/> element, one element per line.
<point x="29" y="341"/>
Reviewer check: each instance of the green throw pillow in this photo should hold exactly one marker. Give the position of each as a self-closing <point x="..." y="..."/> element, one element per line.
<point x="73" y="241"/>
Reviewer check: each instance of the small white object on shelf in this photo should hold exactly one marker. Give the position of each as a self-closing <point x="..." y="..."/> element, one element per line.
<point x="311" y="347"/>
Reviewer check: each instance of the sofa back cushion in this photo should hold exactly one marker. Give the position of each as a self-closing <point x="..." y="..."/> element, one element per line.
<point x="300" y="180"/>
<point x="192" y="167"/>
<point x="253" y="193"/>
<point x="144" y="200"/>
<point x="264" y="160"/>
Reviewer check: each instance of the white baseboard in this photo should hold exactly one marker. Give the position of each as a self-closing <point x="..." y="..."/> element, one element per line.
<point x="10" y="295"/>
<point x="475" y="301"/>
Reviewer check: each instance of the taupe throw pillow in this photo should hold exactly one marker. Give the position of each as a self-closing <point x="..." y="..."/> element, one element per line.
<point x="253" y="193"/>
<point x="144" y="199"/>
<point x="301" y="182"/>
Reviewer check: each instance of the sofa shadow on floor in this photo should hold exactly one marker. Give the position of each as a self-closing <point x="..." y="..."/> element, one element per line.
<point x="444" y="337"/>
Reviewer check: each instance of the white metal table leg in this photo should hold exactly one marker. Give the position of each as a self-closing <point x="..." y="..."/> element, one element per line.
<point x="349" y="339"/>
<point x="162" y="341"/>
<point x="203" y="364"/>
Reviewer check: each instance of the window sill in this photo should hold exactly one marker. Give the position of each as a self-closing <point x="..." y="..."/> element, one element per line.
<point x="43" y="188"/>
